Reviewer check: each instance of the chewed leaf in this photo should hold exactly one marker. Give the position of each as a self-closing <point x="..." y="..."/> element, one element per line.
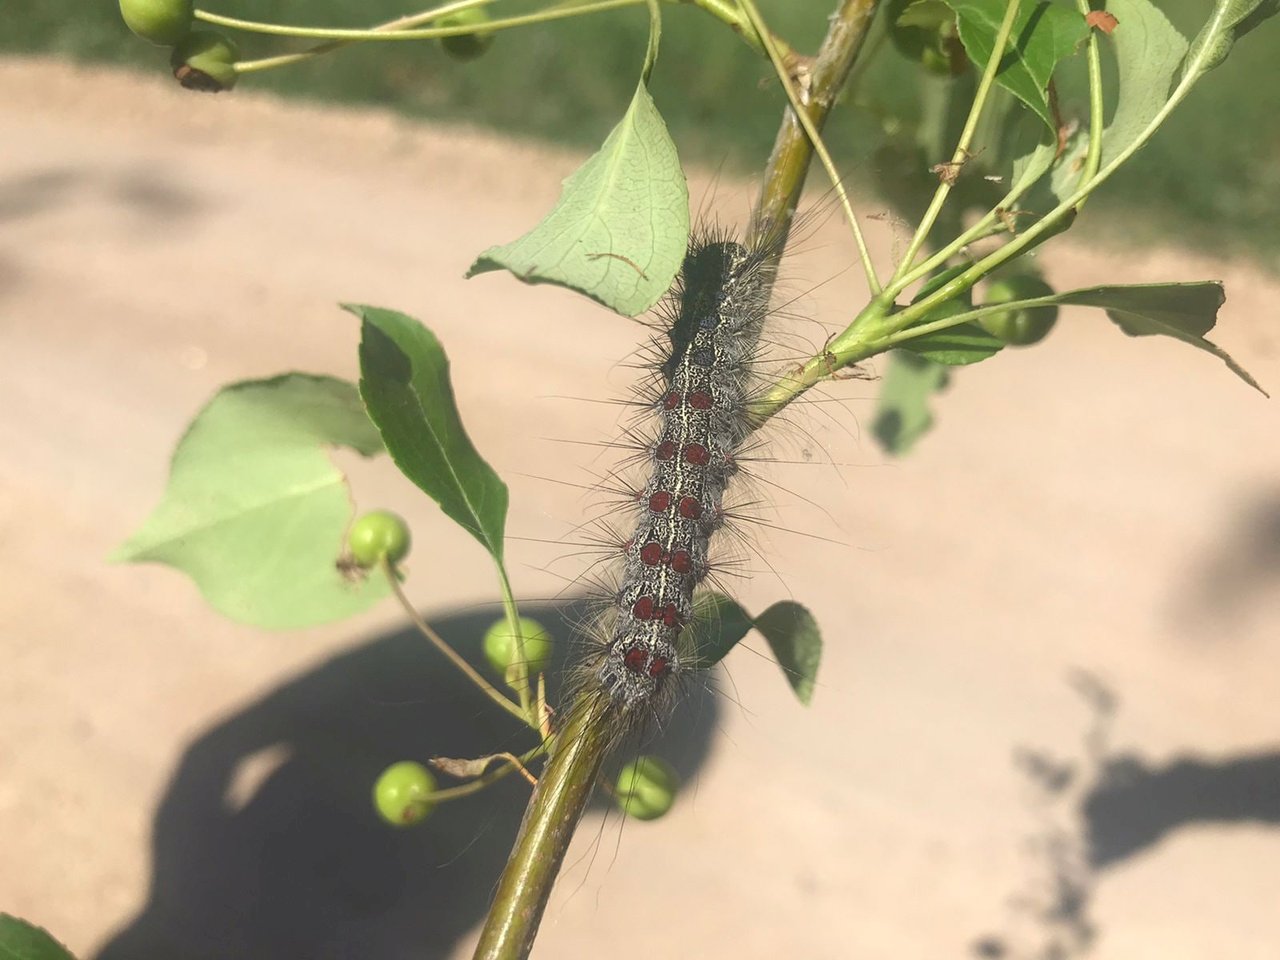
<point x="902" y="411"/>
<point x="255" y="512"/>
<point x="619" y="231"/>
<point x="404" y="381"/>
<point x="20" y="940"/>
<point x="1044" y="34"/>
<point x="796" y="643"/>
<point x="718" y="624"/>
<point x="1184" y="311"/>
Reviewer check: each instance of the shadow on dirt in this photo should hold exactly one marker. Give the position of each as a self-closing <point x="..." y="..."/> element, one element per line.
<point x="266" y="844"/>
<point x="1099" y="809"/>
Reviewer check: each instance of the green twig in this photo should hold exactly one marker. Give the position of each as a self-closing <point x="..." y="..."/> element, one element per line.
<point x="510" y="765"/>
<point x="961" y="154"/>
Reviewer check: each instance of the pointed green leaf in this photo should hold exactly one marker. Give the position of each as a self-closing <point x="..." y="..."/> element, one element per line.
<point x="796" y="643"/>
<point x="902" y="411"/>
<point x="404" y="381"/>
<point x="255" y="512"/>
<point x="1184" y="311"/>
<point x="1230" y="20"/>
<point x="619" y="231"/>
<point x="717" y="626"/>
<point x="1044" y="33"/>
<point x="20" y="940"/>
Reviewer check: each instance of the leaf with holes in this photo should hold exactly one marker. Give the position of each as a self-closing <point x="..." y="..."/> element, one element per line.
<point x="255" y="512"/>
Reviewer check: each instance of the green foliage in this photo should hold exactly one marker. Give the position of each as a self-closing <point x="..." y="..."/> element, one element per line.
<point x="163" y="22"/>
<point x="619" y="231"/>
<point x="1044" y="34"/>
<point x="20" y="940"/>
<point x="719" y="623"/>
<point x="404" y="382"/>
<point x="953" y="346"/>
<point x="255" y="513"/>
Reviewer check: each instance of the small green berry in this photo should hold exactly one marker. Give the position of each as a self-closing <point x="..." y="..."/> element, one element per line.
<point x="466" y="46"/>
<point x="646" y="788"/>
<point x="500" y="646"/>
<point x="163" y="22"/>
<point x="378" y="534"/>
<point x="205" y="61"/>
<point x="1019" y="327"/>
<point x="402" y="794"/>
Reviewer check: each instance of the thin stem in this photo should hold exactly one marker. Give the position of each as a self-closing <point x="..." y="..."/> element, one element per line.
<point x="454" y="657"/>
<point x="401" y="28"/>
<point x="793" y="148"/>
<point x="1093" y="159"/>
<point x="801" y="113"/>
<point x="961" y="154"/>
<point x="521" y="664"/>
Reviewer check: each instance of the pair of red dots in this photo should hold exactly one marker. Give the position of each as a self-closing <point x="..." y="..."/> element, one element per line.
<point x="652" y="554"/>
<point x="698" y="399"/>
<point x="689" y="507"/>
<point x="637" y="660"/>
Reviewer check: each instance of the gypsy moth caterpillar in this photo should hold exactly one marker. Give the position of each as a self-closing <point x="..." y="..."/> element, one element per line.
<point x="700" y="395"/>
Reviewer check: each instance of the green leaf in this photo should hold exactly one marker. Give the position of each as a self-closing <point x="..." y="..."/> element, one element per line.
<point x="1149" y="51"/>
<point x="1184" y="311"/>
<point x="255" y="513"/>
<point x="796" y="643"/>
<point x="621" y="226"/>
<point x="404" y="381"/>
<point x="717" y="626"/>
<point x="956" y="346"/>
<point x="1044" y="34"/>
<point x="20" y="940"/>
<point x="953" y="346"/>
<point x="902" y="411"/>
<point x="1230" y="20"/>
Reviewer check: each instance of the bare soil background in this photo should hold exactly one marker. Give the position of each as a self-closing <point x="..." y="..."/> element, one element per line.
<point x="1099" y="505"/>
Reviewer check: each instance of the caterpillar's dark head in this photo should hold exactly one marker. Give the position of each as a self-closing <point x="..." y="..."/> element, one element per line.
<point x="706" y="278"/>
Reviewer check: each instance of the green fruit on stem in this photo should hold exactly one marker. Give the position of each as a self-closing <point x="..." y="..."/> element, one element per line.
<point x="205" y="60"/>
<point x="403" y="793"/>
<point x="500" y="646"/>
<point x="466" y="46"/>
<point x="1019" y="327"/>
<point x="646" y="788"/>
<point x="378" y="534"/>
<point x="163" y="22"/>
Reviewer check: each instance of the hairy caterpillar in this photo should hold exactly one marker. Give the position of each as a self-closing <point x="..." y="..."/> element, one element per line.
<point x="700" y="394"/>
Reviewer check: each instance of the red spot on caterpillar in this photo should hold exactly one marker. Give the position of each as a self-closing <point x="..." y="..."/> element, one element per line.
<point x="671" y="401"/>
<point x="666" y="450"/>
<point x="651" y="554"/>
<point x="634" y="660"/>
<point x="659" y="502"/>
<point x="690" y="508"/>
<point x="670" y="615"/>
<point x="642" y="609"/>
<point x="700" y="400"/>
<point x="658" y="667"/>
<point x="697" y="454"/>
<point x="681" y="562"/>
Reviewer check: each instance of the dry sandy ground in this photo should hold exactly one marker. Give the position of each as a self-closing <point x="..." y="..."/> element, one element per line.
<point x="1099" y="504"/>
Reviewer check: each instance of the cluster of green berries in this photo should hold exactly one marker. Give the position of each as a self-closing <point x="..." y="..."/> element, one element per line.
<point x="206" y="60"/>
<point x="201" y="59"/>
